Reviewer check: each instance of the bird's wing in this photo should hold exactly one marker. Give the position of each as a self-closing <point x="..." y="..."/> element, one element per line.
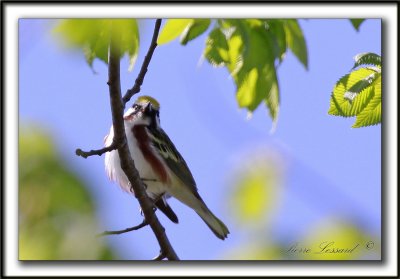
<point x="173" y="158"/>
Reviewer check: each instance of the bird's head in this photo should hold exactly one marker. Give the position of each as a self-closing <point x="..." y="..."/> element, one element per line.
<point x="145" y="111"/>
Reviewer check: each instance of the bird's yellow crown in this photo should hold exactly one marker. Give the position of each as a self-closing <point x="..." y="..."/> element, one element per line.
<point x="148" y="99"/>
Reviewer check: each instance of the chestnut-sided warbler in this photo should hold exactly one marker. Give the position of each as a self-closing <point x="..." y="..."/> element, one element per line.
<point x="160" y="165"/>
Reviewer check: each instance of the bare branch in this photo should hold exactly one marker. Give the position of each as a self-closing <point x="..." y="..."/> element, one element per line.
<point x="98" y="152"/>
<point x="130" y="92"/>
<point x="143" y="70"/>
<point x="135" y="228"/>
<point x="127" y="163"/>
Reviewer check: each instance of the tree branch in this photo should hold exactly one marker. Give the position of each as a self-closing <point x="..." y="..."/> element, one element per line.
<point x="129" y="93"/>
<point x="135" y="228"/>
<point x="143" y="70"/>
<point x="98" y="152"/>
<point x="127" y="163"/>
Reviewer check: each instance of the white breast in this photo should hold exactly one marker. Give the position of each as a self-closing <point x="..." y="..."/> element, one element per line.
<point x="115" y="173"/>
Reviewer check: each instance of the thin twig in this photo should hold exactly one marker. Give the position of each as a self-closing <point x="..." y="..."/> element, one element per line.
<point x="135" y="228"/>
<point x="98" y="152"/>
<point x="127" y="163"/>
<point x="143" y="70"/>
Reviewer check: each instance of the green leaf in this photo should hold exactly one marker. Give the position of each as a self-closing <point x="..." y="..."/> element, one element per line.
<point x="371" y="115"/>
<point x="247" y="90"/>
<point x="246" y="48"/>
<point x="172" y="29"/>
<point x="272" y="99"/>
<point x="195" y="29"/>
<point x="356" y="22"/>
<point x="235" y="45"/>
<point x="217" y="49"/>
<point x="358" y="82"/>
<point x="257" y="75"/>
<point x="249" y="49"/>
<point x="367" y="58"/>
<point x="359" y="86"/>
<point x="359" y="93"/>
<point x="128" y="32"/>
<point x="295" y="41"/>
<point x="93" y="37"/>
<point x="276" y="27"/>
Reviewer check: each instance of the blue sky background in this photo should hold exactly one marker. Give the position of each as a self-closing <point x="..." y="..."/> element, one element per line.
<point x="331" y="169"/>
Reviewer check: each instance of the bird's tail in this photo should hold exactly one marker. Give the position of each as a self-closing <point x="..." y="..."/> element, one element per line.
<point x="192" y="199"/>
<point x="215" y="224"/>
<point x="167" y="210"/>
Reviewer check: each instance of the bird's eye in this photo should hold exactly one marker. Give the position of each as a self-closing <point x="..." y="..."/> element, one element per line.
<point x="136" y="107"/>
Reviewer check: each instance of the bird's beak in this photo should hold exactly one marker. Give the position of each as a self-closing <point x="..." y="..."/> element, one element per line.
<point x="128" y="117"/>
<point x="129" y="114"/>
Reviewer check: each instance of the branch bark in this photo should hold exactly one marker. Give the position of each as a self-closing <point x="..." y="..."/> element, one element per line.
<point x="98" y="152"/>
<point x="143" y="70"/>
<point x="129" y="93"/>
<point x="135" y="228"/>
<point x="127" y="163"/>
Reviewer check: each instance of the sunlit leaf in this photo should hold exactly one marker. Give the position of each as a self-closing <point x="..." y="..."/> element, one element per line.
<point x="295" y="41"/>
<point x="272" y="100"/>
<point x="367" y="58"/>
<point x="93" y="37"/>
<point x="235" y="47"/>
<point x="247" y="90"/>
<point x="352" y="92"/>
<point x="359" y="86"/>
<point x="359" y="92"/>
<point x="249" y="49"/>
<point x="195" y="29"/>
<point x="255" y="22"/>
<point x="371" y="114"/>
<point x="172" y="29"/>
<point x="257" y="74"/>
<point x="356" y="22"/>
<point x="217" y="49"/>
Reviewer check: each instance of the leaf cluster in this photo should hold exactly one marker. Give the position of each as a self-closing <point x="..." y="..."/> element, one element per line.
<point x="359" y="92"/>
<point x="93" y="37"/>
<point x="250" y="49"/>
